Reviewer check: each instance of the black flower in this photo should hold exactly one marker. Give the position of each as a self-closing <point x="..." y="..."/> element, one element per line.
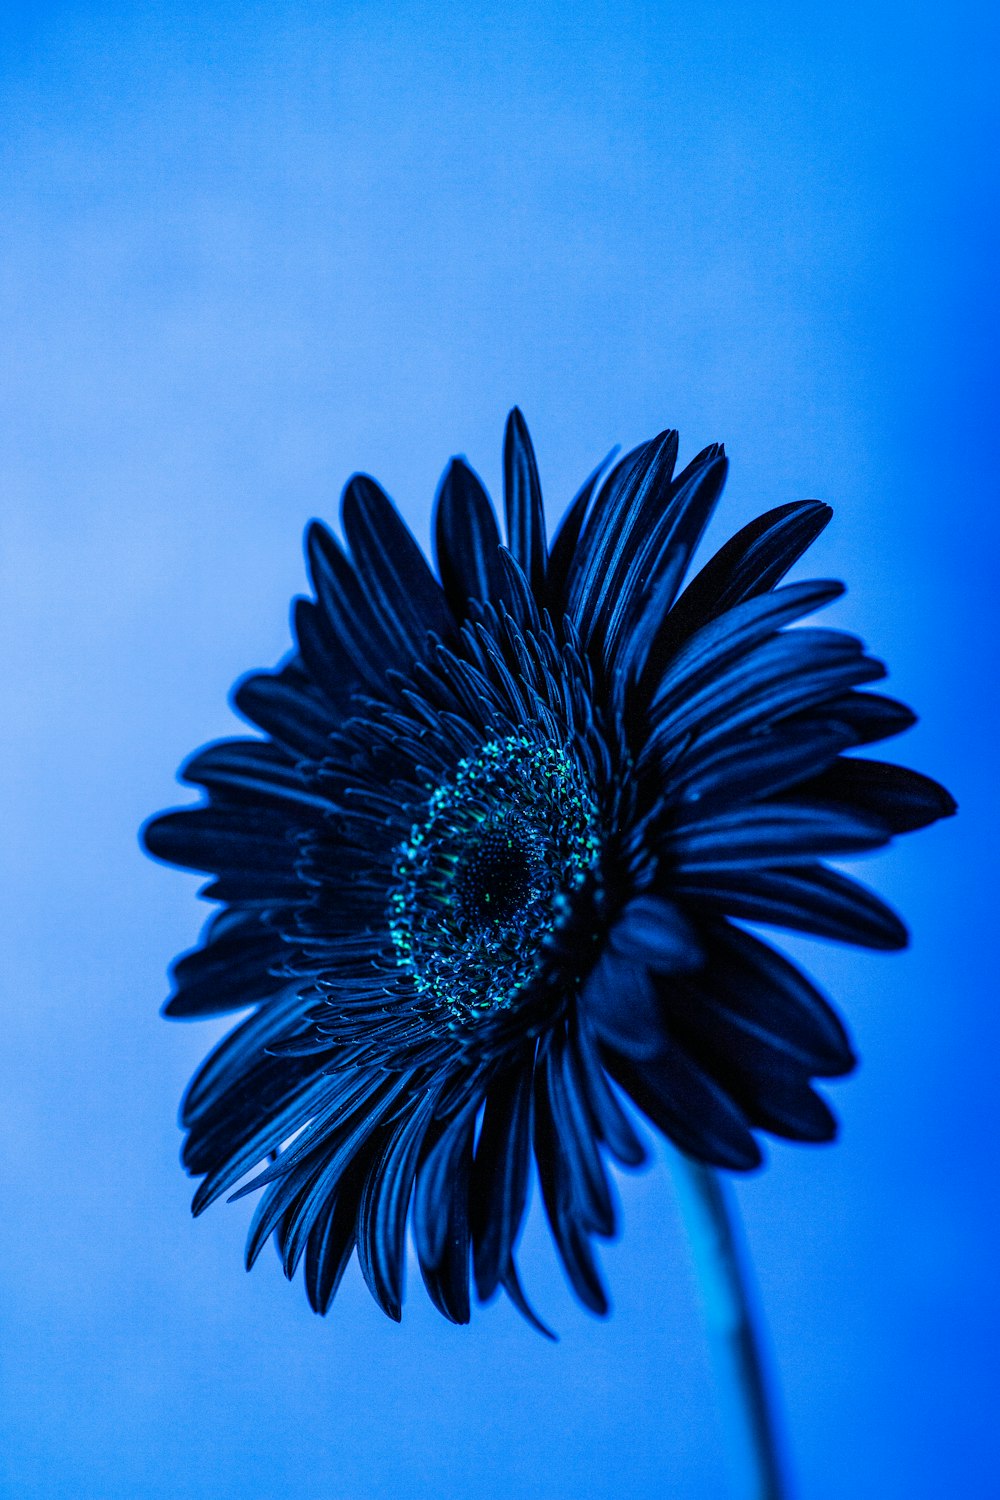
<point x="488" y="865"/>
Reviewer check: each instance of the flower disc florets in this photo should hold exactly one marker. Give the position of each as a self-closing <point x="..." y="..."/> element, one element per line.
<point x="486" y="878"/>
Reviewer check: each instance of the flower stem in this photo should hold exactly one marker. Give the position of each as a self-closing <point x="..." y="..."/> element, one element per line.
<point x="747" y="1411"/>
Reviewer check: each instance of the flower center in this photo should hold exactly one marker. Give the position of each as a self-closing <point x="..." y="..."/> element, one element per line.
<point x="499" y="873"/>
<point x="486" y="877"/>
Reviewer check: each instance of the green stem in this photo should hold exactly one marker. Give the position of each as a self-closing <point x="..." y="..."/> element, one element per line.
<point x="747" y="1411"/>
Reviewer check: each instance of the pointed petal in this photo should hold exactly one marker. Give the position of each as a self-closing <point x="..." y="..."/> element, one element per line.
<point x="235" y="965"/>
<point x="363" y="642"/>
<point x="792" y="672"/>
<point x="768" y="833"/>
<point x="500" y="1177"/>
<point x="904" y="799"/>
<point x="467" y="540"/>
<point x="332" y="1242"/>
<point x="809" y="899"/>
<point x="621" y="1003"/>
<point x="750" y="563"/>
<point x="385" y="1199"/>
<point x="226" y="838"/>
<point x="391" y="565"/>
<point x="758" y="765"/>
<point x="609" y="1119"/>
<point x="523" y="503"/>
<point x="734" y="634"/>
<point x="567" y="536"/>
<point x="288" y="707"/>
<point x="253" y="772"/>
<point x="688" y="1106"/>
<point x="564" y="1166"/>
<point x="871" y="716"/>
<point x="441" y="1216"/>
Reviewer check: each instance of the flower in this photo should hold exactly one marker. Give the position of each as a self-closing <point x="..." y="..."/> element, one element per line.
<point x="487" y="869"/>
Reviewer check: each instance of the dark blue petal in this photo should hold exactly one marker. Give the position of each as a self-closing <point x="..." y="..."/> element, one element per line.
<point x="331" y="1242"/>
<point x="750" y="563"/>
<point x="324" y="657"/>
<point x="316" y="1183"/>
<point x="661" y="564"/>
<point x="512" y="1286"/>
<point x="621" y="1003"/>
<point x="250" y="1128"/>
<point x="609" y="516"/>
<point x="806" y="899"/>
<point x="404" y="592"/>
<point x="766" y="1079"/>
<point x="289" y="708"/>
<point x="385" y="1200"/>
<point x="871" y="716"/>
<point x="794" y="671"/>
<point x="226" y="1065"/>
<point x="736" y="632"/>
<point x="905" y="800"/>
<point x="655" y="934"/>
<point x="566" y="1161"/>
<point x="752" y="987"/>
<point x="340" y="1112"/>
<point x="788" y="1107"/>
<point x="688" y="1106"/>
<point x="769" y="833"/>
<point x="441" y="1215"/>
<point x="522" y="495"/>
<point x="565" y="1085"/>
<point x="748" y="767"/>
<point x="467" y="540"/>
<point x="365" y="644"/>
<point x="224" y="838"/>
<point x="565" y="541"/>
<point x="254" y="772"/>
<point x="275" y="1204"/>
<point x="651" y="518"/>
<point x="500" y="1177"/>
<point x="235" y="965"/>
<point x="609" y="1120"/>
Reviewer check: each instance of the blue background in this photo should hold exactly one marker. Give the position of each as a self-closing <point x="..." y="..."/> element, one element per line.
<point x="248" y="249"/>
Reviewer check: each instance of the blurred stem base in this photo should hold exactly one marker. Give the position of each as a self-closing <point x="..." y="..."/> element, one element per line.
<point x="747" y="1405"/>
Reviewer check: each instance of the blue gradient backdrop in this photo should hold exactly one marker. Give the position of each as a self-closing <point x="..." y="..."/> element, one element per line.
<point x="245" y="249"/>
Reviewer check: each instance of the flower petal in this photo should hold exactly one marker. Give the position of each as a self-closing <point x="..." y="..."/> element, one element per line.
<point x="385" y="1199"/>
<point x="331" y="1243"/>
<point x="236" y="964"/>
<point x="567" y="1162"/>
<point x="522" y="495"/>
<point x="288" y="707"/>
<point x="362" y="639"/>
<point x="500" y="1177"/>
<point x="904" y="799"/>
<point x="745" y="767"/>
<point x="404" y="591"/>
<point x="655" y="934"/>
<point x="564" y="543"/>
<point x="750" y="563"/>
<point x="688" y="1106"/>
<point x="467" y="540"/>
<point x="794" y="671"/>
<point x="806" y="898"/>
<point x="769" y="833"/>
<point x="253" y="771"/>
<point x="441" y="1215"/>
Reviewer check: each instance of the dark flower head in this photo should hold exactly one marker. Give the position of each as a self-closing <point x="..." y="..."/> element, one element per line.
<point x="488" y="866"/>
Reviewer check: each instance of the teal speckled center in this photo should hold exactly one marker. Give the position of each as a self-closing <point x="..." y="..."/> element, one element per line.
<point x="488" y="874"/>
